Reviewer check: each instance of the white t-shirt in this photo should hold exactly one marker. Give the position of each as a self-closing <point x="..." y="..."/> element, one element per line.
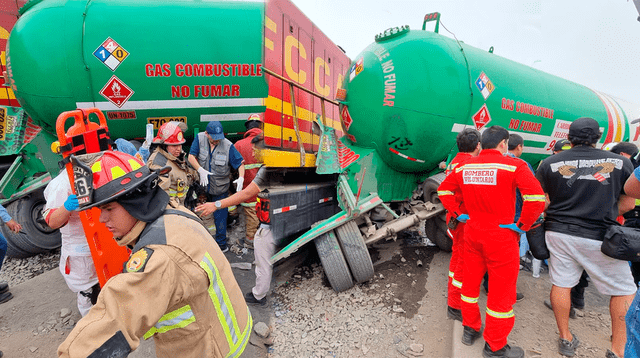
<point x="74" y="241"/>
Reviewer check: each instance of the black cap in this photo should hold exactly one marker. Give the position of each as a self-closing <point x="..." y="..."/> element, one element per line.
<point x="561" y="145"/>
<point x="584" y="127"/>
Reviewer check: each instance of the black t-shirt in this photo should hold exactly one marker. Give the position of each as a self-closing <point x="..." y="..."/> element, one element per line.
<point x="584" y="185"/>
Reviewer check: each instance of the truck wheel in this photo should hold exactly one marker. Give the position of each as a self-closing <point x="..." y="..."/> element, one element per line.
<point x="438" y="235"/>
<point x="335" y="267"/>
<point x="355" y="251"/>
<point x="36" y="236"/>
<point x="436" y="228"/>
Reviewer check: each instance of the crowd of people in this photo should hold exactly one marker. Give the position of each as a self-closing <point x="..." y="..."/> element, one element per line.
<point x="193" y="303"/>
<point x="492" y="199"/>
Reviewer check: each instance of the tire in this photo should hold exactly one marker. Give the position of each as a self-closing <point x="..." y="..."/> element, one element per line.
<point x="355" y="251"/>
<point x="436" y="228"/>
<point x="36" y="237"/>
<point x="334" y="264"/>
<point x="438" y="235"/>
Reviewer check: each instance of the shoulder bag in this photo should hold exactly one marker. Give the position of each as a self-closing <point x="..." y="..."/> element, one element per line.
<point x="622" y="243"/>
<point x="537" y="243"/>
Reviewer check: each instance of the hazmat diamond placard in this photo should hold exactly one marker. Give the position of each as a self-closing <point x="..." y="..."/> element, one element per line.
<point x="482" y="117"/>
<point x="116" y="91"/>
<point x="485" y="86"/>
<point x="346" y="117"/>
<point x="111" y="54"/>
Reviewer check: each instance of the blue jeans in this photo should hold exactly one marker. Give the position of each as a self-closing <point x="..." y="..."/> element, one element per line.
<point x="524" y="245"/>
<point x="220" y="218"/>
<point x="632" y="348"/>
<point x="3" y="249"/>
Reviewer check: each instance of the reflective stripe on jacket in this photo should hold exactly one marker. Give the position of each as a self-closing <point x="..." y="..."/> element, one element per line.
<point x="177" y="287"/>
<point x="177" y="181"/>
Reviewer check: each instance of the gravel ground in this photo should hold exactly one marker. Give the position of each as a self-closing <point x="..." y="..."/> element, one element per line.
<point x="377" y="318"/>
<point x="15" y="271"/>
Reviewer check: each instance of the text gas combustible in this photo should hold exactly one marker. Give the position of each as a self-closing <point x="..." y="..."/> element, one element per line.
<point x="526" y="108"/>
<point x="204" y="70"/>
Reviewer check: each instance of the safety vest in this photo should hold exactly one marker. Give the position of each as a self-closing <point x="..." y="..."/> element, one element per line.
<point x="231" y="318"/>
<point x="216" y="162"/>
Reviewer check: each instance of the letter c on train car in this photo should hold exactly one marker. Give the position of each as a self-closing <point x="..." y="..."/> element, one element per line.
<point x="326" y="90"/>
<point x="289" y="42"/>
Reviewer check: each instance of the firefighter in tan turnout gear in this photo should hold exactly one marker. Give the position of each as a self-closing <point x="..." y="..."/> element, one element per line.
<point x="176" y="287"/>
<point x="166" y="150"/>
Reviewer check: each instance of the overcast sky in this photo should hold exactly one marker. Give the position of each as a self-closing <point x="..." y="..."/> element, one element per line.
<point x="592" y="42"/>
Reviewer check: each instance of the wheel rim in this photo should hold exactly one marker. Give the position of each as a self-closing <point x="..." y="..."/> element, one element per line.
<point x="36" y="218"/>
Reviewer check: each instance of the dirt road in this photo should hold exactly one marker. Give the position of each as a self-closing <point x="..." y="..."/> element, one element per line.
<point x="32" y="324"/>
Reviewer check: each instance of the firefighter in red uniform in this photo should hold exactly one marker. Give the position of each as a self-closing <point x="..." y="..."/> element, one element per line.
<point x="468" y="142"/>
<point x="488" y="185"/>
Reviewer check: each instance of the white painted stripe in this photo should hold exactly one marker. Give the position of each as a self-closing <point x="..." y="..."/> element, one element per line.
<point x="617" y="113"/>
<point x="285" y="209"/>
<point x="536" y="150"/>
<point x="175" y="104"/>
<point x="457" y="127"/>
<point x="224" y="117"/>
<point x="610" y="112"/>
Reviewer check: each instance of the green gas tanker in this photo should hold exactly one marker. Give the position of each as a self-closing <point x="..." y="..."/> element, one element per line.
<point x="410" y="92"/>
<point x="146" y="62"/>
<point x="137" y="60"/>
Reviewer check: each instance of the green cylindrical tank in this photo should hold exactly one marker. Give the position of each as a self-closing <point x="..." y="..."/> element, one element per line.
<point x="409" y="93"/>
<point x="139" y="61"/>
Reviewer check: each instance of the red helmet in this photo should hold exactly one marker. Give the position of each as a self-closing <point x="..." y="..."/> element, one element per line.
<point x="171" y="133"/>
<point x="100" y="178"/>
<point x="254" y="121"/>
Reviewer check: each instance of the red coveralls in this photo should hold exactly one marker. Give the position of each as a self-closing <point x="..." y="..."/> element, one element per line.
<point x="488" y="184"/>
<point x="456" y="263"/>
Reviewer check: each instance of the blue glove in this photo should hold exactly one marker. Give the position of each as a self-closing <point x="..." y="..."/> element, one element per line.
<point x="513" y="227"/>
<point x="463" y="218"/>
<point x="72" y="203"/>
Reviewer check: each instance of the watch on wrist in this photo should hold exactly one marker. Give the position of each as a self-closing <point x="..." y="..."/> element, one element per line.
<point x="218" y="204"/>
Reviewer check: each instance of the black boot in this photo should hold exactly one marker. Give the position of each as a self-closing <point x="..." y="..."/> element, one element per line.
<point x="469" y="336"/>
<point x="506" y="352"/>
<point x="4" y="287"/>
<point x="454" y="314"/>
<point x="252" y="300"/>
